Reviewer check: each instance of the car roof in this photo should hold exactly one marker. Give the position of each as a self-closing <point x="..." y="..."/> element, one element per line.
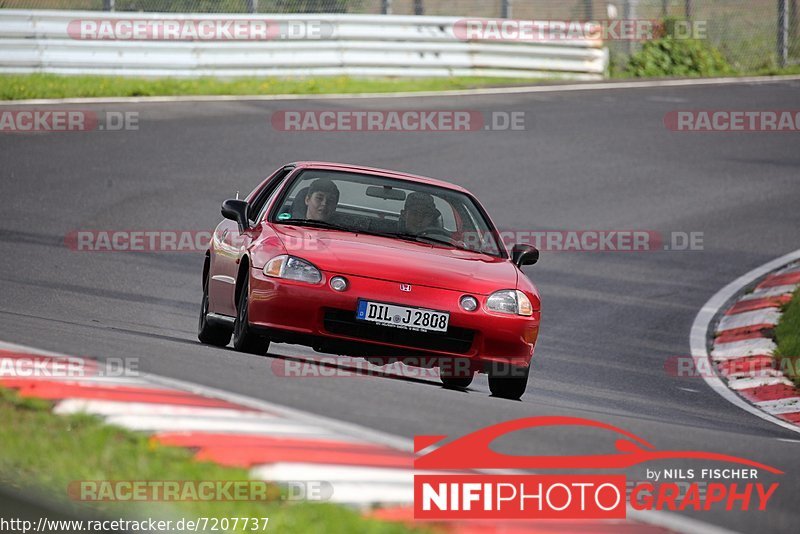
<point x="379" y="172"/>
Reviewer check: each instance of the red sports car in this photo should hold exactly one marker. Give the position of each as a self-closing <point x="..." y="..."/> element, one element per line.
<point x="372" y="263"/>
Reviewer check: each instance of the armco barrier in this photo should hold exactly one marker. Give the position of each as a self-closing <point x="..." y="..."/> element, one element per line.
<point x="356" y="45"/>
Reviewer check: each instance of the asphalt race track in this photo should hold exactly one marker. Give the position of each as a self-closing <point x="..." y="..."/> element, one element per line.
<point x="598" y="160"/>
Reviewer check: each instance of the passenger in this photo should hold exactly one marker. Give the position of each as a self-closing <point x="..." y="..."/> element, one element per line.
<point x="321" y="200"/>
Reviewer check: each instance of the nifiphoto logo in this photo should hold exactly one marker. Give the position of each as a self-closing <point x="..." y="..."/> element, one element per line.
<point x="451" y="493"/>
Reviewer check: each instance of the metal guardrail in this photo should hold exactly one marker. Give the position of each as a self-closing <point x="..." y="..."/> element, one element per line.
<point x="356" y="45"/>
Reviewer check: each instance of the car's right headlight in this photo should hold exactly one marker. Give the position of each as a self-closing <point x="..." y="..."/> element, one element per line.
<point x="292" y="268"/>
<point x="510" y="301"/>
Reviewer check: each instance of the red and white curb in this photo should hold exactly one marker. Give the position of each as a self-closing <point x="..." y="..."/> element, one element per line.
<point x="742" y="351"/>
<point x="273" y="445"/>
<point x="364" y="467"/>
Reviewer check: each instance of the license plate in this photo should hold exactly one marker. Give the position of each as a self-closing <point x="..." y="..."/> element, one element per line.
<point x="418" y="319"/>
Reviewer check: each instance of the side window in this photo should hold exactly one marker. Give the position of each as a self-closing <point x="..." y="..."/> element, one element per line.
<point x="257" y="206"/>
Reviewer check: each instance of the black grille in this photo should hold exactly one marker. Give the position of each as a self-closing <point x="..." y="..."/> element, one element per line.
<point x="455" y="340"/>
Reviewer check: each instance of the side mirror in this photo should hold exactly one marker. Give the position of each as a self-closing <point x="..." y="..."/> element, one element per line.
<point x="236" y="210"/>
<point x="524" y="255"/>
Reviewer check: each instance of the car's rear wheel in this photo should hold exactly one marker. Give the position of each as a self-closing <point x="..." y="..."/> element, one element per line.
<point x="244" y="338"/>
<point x="209" y="333"/>
<point x="456" y="373"/>
<point x="508" y="381"/>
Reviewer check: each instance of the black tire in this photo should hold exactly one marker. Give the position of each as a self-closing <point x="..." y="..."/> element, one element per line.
<point x="244" y="339"/>
<point x="457" y="374"/>
<point x="456" y="382"/>
<point x="207" y="333"/>
<point x="508" y="382"/>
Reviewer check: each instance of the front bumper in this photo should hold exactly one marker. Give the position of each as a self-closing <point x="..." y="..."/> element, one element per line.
<point x="318" y="316"/>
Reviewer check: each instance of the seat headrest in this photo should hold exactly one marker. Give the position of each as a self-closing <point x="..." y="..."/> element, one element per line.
<point x="299" y="208"/>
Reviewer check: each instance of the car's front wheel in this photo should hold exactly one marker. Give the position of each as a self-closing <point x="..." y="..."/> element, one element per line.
<point x="508" y="381"/>
<point x="244" y="338"/>
<point x="209" y="333"/>
<point x="456" y="373"/>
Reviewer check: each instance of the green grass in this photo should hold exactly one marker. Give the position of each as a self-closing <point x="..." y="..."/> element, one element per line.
<point x="26" y="86"/>
<point x="787" y="334"/>
<point x="45" y="452"/>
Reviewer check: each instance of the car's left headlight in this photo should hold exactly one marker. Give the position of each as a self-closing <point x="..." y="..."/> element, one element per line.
<point x="292" y="268"/>
<point x="510" y="301"/>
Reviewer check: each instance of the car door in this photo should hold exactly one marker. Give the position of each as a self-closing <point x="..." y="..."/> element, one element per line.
<point x="229" y="245"/>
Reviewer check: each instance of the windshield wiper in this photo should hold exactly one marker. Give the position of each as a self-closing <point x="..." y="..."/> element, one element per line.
<point x="427" y="239"/>
<point x="316" y="224"/>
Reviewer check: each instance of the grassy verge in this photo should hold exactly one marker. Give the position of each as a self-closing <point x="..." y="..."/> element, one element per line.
<point x="26" y="86"/>
<point x="46" y="452"/>
<point x="618" y="64"/>
<point x="788" y="337"/>
<point x="30" y="86"/>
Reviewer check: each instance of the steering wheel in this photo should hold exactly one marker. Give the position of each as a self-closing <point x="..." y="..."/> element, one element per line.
<point x="437" y="232"/>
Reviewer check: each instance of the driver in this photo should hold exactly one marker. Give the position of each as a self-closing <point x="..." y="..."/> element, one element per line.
<point x="321" y="200"/>
<point x="419" y="213"/>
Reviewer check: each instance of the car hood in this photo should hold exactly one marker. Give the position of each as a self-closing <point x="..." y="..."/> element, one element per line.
<point x="397" y="260"/>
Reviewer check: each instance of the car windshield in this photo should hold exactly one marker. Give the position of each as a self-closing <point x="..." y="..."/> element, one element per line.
<point x="399" y="209"/>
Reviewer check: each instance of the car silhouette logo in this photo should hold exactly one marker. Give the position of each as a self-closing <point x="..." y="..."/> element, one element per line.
<point x="473" y="450"/>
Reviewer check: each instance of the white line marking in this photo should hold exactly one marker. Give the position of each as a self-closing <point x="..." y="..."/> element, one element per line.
<point x="88" y="381"/>
<point x="740" y="349"/>
<point x="770" y="292"/>
<point x="753" y="373"/>
<point x="517" y="90"/>
<point x="757" y="382"/>
<point x="780" y="406"/>
<point x="103" y="407"/>
<point x="702" y="323"/>
<point x="750" y="318"/>
<point x="281" y="471"/>
<point x="163" y="423"/>
<point x="368" y="493"/>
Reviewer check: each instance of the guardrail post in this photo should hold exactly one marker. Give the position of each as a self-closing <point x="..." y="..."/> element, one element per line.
<point x="588" y="9"/>
<point x="252" y="6"/>
<point x="505" y="9"/>
<point x="418" y="8"/>
<point x="630" y="14"/>
<point x="783" y="33"/>
<point x="108" y="5"/>
<point x="794" y="26"/>
<point x="386" y="7"/>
